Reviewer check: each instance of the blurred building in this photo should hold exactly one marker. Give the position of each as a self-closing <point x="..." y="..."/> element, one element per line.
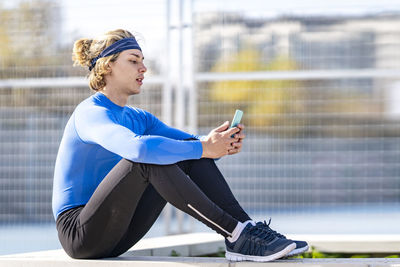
<point x="314" y="42"/>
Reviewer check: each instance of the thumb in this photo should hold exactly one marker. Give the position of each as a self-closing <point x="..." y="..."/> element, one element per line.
<point x="222" y="127"/>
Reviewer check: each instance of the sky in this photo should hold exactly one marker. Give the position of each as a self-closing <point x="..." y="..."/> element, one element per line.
<point x="149" y="13"/>
<point x="93" y="17"/>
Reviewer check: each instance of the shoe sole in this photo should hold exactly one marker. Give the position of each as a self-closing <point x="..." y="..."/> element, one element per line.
<point x="297" y="251"/>
<point x="241" y="257"/>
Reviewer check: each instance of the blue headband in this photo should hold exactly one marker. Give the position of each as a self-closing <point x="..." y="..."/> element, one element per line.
<point x="118" y="46"/>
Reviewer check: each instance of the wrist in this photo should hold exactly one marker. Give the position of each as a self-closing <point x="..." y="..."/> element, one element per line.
<point x="203" y="145"/>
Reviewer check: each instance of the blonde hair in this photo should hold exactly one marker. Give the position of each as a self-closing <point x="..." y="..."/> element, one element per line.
<point x="86" y="49"/>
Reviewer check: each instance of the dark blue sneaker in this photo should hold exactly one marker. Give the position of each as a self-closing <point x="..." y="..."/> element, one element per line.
<point x="301" y="246"/>
<point x="256" y="244"/>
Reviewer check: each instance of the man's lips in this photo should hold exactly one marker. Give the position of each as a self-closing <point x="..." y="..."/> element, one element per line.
<point x="140" y="80"/>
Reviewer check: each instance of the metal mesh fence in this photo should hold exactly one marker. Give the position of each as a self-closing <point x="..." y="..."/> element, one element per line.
<point x="312" y="161"/>
<point x="322" y="129"/>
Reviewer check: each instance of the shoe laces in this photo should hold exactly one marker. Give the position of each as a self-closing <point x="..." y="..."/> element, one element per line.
<point x="259" y="239"/>
<point x="265" y="236"/>
<point x="265" y="226"/>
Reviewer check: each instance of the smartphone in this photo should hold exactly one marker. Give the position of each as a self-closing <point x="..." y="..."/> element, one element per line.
<point x="236" y="119"/>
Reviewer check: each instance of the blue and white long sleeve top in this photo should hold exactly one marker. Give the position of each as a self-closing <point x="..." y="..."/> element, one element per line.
<point x="98" y="135"/>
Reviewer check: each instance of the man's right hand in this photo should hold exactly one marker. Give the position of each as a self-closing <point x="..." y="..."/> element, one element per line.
<point x="219" y="141"/>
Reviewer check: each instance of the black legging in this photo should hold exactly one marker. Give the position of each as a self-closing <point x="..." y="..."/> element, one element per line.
<point x="130" y="198"/>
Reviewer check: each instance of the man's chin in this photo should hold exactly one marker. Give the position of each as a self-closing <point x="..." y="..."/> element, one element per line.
<point x="135" y="91"/>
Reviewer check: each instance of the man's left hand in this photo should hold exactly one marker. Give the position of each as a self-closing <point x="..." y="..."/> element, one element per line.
<point x="237" y="141"/>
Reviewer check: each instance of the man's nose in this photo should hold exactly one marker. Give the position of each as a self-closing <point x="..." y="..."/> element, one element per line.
<point x="143" y="68"/>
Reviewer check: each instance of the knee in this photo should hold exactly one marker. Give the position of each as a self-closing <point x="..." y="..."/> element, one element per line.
<point x="161" y="171"/>
<point x="162" y="168"/>
<point x="143" y="168"/>
<point x="145" y="165"/>
<point x="206" y="162"/>
<point x="150" y="170"/>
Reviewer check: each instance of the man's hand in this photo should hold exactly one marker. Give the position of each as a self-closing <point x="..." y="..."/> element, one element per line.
<point x="219" y="142"/>
<point x="237" y="146"/>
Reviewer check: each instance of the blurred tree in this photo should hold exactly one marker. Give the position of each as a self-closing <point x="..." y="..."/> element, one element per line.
<point x="5" y="49"/>
<point x="29" y="35"/>
<point x="265" y="101"/>
<point x="30" y="32"/>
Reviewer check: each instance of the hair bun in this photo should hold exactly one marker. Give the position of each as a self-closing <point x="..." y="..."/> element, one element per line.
<point x="81" y="52"/>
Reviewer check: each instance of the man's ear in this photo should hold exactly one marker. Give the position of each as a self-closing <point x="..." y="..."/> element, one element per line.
<point x="108" y="67"/>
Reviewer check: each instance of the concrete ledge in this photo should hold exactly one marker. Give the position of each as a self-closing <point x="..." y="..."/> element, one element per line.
<point x="186" y="245"/>
<point x="192" y="261"/>
<point x="155" y="252"/>
<point x="197" y="244"/>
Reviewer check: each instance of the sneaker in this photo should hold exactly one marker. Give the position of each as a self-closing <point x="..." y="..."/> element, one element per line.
<point x="256" y="244"/>
<point x="301" y="246"/>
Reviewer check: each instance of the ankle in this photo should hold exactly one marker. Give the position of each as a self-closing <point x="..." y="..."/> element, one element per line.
<point x="236" y="232"/>
<point x="249" y="221"/>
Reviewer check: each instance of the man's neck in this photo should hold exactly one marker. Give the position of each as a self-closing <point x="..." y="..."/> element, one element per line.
<point x="115" y="97"/>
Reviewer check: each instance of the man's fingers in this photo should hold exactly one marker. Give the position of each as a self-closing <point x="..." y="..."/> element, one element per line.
<point x="230" y="147"/>
<point x="240" y="126"/>
<point x="239" y="136"/>
<point x="233" y="151"/>
<point x="222" y="127"/>
<point x="237" y="145"/>
<point x="232" y="131"/>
